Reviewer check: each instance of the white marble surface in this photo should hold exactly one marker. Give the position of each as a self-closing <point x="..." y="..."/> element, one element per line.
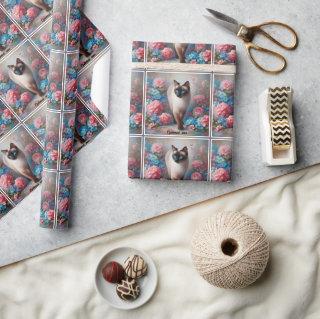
<point x="104" y="198"/>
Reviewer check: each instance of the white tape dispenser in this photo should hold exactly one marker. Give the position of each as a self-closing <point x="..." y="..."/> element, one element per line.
<point x="277" y="133"/>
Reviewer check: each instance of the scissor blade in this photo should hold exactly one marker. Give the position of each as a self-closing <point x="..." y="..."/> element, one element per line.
<point x="225" y="21"/>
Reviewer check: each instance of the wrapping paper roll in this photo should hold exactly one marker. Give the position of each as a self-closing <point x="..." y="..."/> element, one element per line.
<point x="60" y="116"/>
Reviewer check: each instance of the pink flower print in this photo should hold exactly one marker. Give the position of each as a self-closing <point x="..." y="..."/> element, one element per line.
<point x="166" y="118"/>
<point x="226" y="85"/>
<point x="223" y="109"/>
<point x="197" y="164"/>
<point x="159" y="83"/>
<point x="67" y="181"/>
<point x="132" y="163"/>
<point x="57" y="96"/>
<point x="135" y="44"/>
<point x="137" y="118"/>
<point x="130" y="173"/>
<point x="75" y="62"/>
<point x="167" y="53"/>
<point x="140" y="53"/>
<point x="75" y="26"/>
<point x="200" y="47"/>
<point x="71" y="122"/>
<point x="45" y="206"/>
<point x="51" y="135"/>
<point x="155" y="107"/>
<point x="14" y="29"/>
<point x="206" y="55"/>
<point x="71" y="85"/>
<point x="197" y="111"/>
<point x="67" y="145"/>
<point x="90" y="32"/>
<point x="6" y="180"/>
<point x="50" y="214"/>
<point x="38" y="122"/>
<point x="49" y="146"/>
<point x="200" y="100"/>
<point x="56" y="27"/>
<point x="37" y="158"/>
<point x="205" y="121"/>
<point x="135" y="98"/>
<point x="157" y="149"/>
<point x="3" y="78"/>
<point x="32" y="12"/>
<point x="99" y="35"/>
<point x="12" y="96"/>
<point x="92" y="121"/>
<point x="48" y="195"/>
<point x="153" y="172"/>
<point x="221" y="175"/>
<point x="133" y="109"/>
<point x="84" y="83"/>
<point x="224" y="47"/>
<point x="53" y="86"/>
<point x="225" y="151"/>
<point x="18" y="11"/>
<point x="30" y="148"/>
<point x="63" y="204"/>
<point x="196" y="176"/>
<point x="57" y="15"/>
<point x="7" y="114"/>
<point x="3" y="27"/>
<point x="20" y="183"/>
<point x="232" y="56"/>
<point x="36" y="63"/>
<point x="54" y="75"/>
<point x="60" y="36"/>
<point x="230" y="121"/>
<point x="157" y="45"/>
<point x="45" y="37"/>
<point x="82" y="119"/>
<point x="3" y="200"/>
<point x="54" y="155"/>
<point x="26" y="97"/>
<point x="43" y="72"/>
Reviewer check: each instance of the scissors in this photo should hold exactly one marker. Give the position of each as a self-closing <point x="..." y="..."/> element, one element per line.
<point x="247" y="34"/>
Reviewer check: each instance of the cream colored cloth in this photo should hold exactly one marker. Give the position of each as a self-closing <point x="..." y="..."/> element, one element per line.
<point x="59" y="284"/>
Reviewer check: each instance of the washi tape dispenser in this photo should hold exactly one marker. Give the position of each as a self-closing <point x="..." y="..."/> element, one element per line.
<point x="277" y="133"/>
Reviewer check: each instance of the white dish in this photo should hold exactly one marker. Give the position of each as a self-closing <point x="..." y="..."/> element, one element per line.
<point x="147" y="283"/>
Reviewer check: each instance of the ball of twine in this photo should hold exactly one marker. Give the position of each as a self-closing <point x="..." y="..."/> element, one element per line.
<point x="230" y="250"/>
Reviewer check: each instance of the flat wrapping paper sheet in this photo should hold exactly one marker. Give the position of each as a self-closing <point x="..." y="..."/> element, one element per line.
<point x="181" y="111"/>
<point x="25" y="42"/>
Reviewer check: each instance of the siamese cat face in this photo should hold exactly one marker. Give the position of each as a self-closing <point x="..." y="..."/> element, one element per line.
<point x="12" y="153"/>
<point x="179" y="155"/>
<point x="18" y="68"/>
<point x="181" y="90"/>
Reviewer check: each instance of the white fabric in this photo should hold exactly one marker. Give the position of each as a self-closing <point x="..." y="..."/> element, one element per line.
<point x="59" y="284"/>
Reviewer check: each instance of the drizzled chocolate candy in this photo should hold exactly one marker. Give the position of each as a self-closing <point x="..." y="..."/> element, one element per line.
<point x="128" y="289"/>
<point x="135" y="266"/>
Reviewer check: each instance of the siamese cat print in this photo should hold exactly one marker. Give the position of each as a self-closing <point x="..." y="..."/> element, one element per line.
<point x="16" y="160"/>
<point x="181" y="50"/>
<point x="177" y="162"/>
<point x="22" y="75"/>
<point x="179" y="97"/>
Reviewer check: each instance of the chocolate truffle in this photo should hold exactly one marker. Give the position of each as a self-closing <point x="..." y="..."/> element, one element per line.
<point x="135" y="266"/>
<point x="128" y="289"/>
<point x="113" y="272"/>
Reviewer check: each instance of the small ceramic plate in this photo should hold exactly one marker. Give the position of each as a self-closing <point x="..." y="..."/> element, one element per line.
<point x="148" y="283"/>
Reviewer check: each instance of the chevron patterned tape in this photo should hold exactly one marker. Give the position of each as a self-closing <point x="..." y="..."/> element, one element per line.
<point x="279" y="118"/>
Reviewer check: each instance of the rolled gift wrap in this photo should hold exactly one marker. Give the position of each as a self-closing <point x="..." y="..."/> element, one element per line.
<point x="230" y="250"/>
<point x="60" y="114"/>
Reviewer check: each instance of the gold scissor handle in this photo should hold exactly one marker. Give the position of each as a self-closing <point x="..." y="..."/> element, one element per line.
<point x="251" y="46"/>
<point x="259" y="29"/>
